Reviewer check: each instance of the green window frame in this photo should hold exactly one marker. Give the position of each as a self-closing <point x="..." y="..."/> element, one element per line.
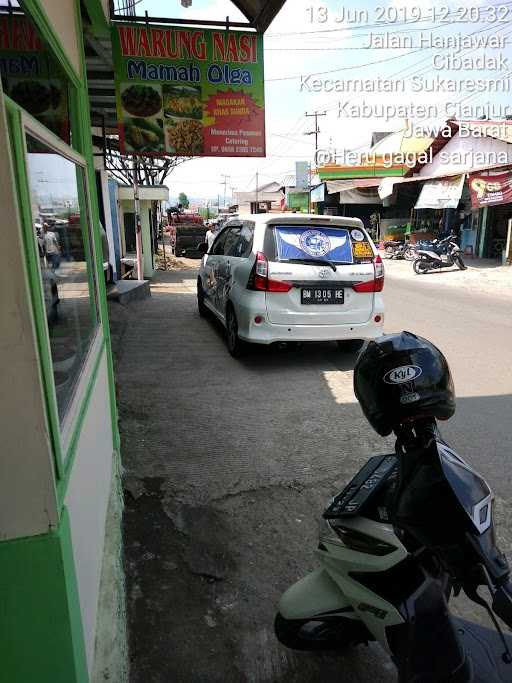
<point x="80" y="127"/>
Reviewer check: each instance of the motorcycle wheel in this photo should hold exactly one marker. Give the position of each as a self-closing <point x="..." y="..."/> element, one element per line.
<point x="460" y="263"/>
<point x="417" y="266"/>
<point x="317" y="634"/>
<point x="410" y="254"/>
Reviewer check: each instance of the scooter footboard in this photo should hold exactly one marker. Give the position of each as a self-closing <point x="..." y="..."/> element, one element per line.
<point x="314" y="595"/>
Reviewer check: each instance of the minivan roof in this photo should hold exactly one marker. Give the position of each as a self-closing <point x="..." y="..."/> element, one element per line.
<point x="304" y="218"/>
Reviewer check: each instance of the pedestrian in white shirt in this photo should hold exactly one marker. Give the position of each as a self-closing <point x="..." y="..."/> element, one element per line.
<point x="210" y="236"/>
<point x="51" y="244"/>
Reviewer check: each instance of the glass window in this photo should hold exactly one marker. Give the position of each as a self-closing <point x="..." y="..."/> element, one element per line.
<point x="231" y="241"/>
<point x="63" y="236"/>
<point x="240" y="243"/>
<point x="218" y="245"/>
<point x="30" y="75"/>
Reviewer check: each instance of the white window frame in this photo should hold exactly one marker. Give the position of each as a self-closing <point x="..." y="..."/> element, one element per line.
<point x="68" y="425"/>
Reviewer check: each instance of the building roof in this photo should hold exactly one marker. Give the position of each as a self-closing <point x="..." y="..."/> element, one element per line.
<point x="388" y="157"/>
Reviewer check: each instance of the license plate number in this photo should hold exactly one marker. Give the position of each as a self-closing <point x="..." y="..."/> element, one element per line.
<point x="322" y="295"/>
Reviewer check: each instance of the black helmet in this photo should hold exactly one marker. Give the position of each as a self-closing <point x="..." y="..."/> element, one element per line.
<point x="400" y="377"/>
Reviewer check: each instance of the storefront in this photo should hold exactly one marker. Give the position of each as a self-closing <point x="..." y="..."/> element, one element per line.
<point x="491" y="196"/>
<point x="60" y="443"/>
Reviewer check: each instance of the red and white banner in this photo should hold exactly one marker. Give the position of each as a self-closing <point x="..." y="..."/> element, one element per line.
<point x="488" y="190"/>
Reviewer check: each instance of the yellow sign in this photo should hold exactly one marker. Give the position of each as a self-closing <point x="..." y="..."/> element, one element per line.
<point x="362" y="250"/>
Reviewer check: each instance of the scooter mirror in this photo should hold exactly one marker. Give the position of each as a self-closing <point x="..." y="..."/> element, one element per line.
<point x="502" y="603"/>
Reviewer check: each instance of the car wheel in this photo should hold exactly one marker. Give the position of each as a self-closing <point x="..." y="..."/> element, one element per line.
<point x="201" y="306"/>
<point x="350" y="345"/>
<point x="236" y="346"/>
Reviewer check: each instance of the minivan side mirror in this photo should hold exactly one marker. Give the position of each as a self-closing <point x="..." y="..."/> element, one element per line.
<point x="202" y="248"/>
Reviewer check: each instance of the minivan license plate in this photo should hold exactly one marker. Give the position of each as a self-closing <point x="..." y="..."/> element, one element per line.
<point x="322" y="295"/>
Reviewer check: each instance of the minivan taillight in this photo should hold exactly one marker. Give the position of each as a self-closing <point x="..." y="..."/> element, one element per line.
<point x="259" y="279"/>
<point x="375" y="285"/>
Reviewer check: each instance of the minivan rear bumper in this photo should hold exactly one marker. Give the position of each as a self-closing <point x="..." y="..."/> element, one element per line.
<point x="268" y="333"/>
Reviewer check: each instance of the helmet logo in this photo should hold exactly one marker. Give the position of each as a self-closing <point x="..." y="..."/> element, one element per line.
<point x="405" y="373"/>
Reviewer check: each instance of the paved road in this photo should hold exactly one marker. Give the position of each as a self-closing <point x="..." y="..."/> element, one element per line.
<point x="228" y="466"/>
<point x="474" y="330"/>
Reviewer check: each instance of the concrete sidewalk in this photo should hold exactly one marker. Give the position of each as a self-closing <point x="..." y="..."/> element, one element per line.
<point x="228" y="467"/>
<point x="483" y="275"/>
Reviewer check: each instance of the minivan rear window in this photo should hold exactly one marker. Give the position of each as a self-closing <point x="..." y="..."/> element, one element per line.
<point x="318" y="242"/>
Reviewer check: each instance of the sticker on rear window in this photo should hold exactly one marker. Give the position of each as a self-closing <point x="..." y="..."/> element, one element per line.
<point x="362" y="250"/>
<point x="357" y="235"/>
<point x="298" y="242"/>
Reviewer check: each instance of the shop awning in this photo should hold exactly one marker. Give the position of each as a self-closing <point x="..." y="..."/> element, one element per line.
<point x="260" y="13"/>
<point x="334" y="186"/>
<point x="251" y="197"/>
<point x="387" y="185"/>
<point x="441" y="194"/>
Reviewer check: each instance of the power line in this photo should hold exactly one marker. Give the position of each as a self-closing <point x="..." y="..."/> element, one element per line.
<point x="346" y="68"/>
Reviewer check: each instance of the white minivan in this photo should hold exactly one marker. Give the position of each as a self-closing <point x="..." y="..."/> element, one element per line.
<point x="293" y="278"/>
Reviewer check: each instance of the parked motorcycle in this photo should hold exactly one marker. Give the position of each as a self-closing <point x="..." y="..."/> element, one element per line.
<point x="399" y="250"/>
<point x="409" y="531"/>
<point x="444" y="254"/>
<point x="390" y="246"/>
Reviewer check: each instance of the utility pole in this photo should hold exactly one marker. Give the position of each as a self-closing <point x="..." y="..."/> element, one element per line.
<point x="317" y="129"/>
<point x="225" y="182"/>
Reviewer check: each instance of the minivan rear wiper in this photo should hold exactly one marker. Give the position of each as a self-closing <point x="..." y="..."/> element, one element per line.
<point x="313" y="261"/>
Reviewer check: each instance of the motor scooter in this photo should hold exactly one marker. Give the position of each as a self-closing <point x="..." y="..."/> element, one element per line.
<point x="410" y="530"/>
<point x="444" y="254"/>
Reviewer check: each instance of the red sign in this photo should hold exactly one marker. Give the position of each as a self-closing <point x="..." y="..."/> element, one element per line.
<point x="488" y="190"/>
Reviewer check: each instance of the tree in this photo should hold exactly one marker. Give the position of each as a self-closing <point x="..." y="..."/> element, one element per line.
<point x="183" y="200"/>
<point x="148" y="170"/>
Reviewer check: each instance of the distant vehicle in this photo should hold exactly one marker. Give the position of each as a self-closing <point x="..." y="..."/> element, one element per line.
<point x="290" y="278"/>
<point x="188" y="236"/>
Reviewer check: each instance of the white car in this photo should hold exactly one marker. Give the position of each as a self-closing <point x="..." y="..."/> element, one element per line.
<point x="293" y="278"/>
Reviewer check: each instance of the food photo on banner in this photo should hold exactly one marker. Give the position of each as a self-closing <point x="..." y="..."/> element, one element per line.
<point x="189" y="92"/>
<point x="332" y="244"/>
<point x="31" y="77"/>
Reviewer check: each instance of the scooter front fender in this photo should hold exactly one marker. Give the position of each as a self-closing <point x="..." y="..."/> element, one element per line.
<point x="312" y="596"/>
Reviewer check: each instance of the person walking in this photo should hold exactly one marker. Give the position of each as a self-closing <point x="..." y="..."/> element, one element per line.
<point x="52" y="248"/>
<point x="211" y="234"/>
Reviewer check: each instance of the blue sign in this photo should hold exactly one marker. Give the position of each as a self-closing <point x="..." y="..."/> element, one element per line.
<point x="296" y="242"/>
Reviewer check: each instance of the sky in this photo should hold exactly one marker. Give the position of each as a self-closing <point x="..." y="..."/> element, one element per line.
<point x="304" y="39"/>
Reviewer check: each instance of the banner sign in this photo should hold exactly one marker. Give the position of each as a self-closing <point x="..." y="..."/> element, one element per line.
<point x="189" y="92"/>
<point x="332" y="244"/>
<point x="488" y="190"/>
<point x="30" y="76"/>
<point x="318" y="194"/>
<point x="297" y="200"/>
<point x="441" y="194"/>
